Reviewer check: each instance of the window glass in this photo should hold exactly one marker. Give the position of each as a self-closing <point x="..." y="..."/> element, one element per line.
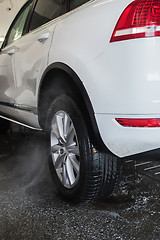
<point x="17" y="29"/>
<point x="46" y="11"/>
<point x="76" y="3"/>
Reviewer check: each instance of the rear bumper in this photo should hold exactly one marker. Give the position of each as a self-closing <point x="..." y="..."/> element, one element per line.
<point x="127" y="141"/>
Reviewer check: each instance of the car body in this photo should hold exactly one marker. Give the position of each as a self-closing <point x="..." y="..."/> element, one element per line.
<point x="115" y="79"/>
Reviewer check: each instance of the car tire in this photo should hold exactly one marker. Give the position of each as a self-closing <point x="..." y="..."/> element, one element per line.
<point x="79" y="171"/>
<point x="4" y="125"/>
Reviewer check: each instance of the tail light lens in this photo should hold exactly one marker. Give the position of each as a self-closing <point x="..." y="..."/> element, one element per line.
<point x="131" y="122"/>
<point x="140" y="19"/>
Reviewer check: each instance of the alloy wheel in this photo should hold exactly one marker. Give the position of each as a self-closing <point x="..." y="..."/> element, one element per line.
<point x="65" y="149"/>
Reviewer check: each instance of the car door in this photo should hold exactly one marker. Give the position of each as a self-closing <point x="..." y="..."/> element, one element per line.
<point x="31" y="59"/>
<point x="7" y="60"/>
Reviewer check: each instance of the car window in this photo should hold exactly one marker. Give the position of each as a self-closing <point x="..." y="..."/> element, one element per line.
<point x="17" y="28"/>
<point x="76" y="3"/>
<point x="45" y="11"/>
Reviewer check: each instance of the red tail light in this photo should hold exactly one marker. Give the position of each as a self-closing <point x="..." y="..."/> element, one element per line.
<point x="131" y="122"/>
<point x="141" y="18"/>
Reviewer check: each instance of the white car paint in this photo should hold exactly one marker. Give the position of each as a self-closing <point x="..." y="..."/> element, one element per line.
<point x="119" y="78"/>
<point x="33" y="49"/>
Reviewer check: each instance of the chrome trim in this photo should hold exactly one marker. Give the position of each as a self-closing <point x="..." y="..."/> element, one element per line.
<point x="20" y="107"/>
<point x="17" y="122"/>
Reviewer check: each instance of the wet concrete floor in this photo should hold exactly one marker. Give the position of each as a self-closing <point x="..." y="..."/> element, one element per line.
<point x="30" y="208"/>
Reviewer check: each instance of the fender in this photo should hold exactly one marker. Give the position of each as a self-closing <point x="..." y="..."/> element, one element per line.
<point x="88" y="110"/>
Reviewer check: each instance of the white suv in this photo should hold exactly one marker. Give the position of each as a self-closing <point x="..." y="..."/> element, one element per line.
<point x="88" y="73"/>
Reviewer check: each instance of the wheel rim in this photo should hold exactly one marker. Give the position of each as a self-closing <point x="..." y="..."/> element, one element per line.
<point x="65" y="149"/>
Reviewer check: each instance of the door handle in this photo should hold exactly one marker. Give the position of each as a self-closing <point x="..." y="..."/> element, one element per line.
<point x="11" y="51"/>
<point x="43" y="37"/>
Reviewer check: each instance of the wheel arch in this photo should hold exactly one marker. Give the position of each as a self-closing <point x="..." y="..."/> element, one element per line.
<point x="63" y="78"/>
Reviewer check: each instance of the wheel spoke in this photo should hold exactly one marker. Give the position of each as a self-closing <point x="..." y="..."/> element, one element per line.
<point x="60" y="125"/>
<point x="66" y="122"/>
<point x="54" y="130"/>
<point x="54" y="140"/>
<point x="55" y="148"/>
<point x="75" y="163"/>
<point x="59" y="161"/>
<point x="74" y="150"/>
<point x="70" y="135"/>
<point x="70" y="172"/>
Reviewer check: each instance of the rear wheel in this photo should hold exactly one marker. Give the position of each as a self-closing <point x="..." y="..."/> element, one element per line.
<point x="79" y="171"/>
